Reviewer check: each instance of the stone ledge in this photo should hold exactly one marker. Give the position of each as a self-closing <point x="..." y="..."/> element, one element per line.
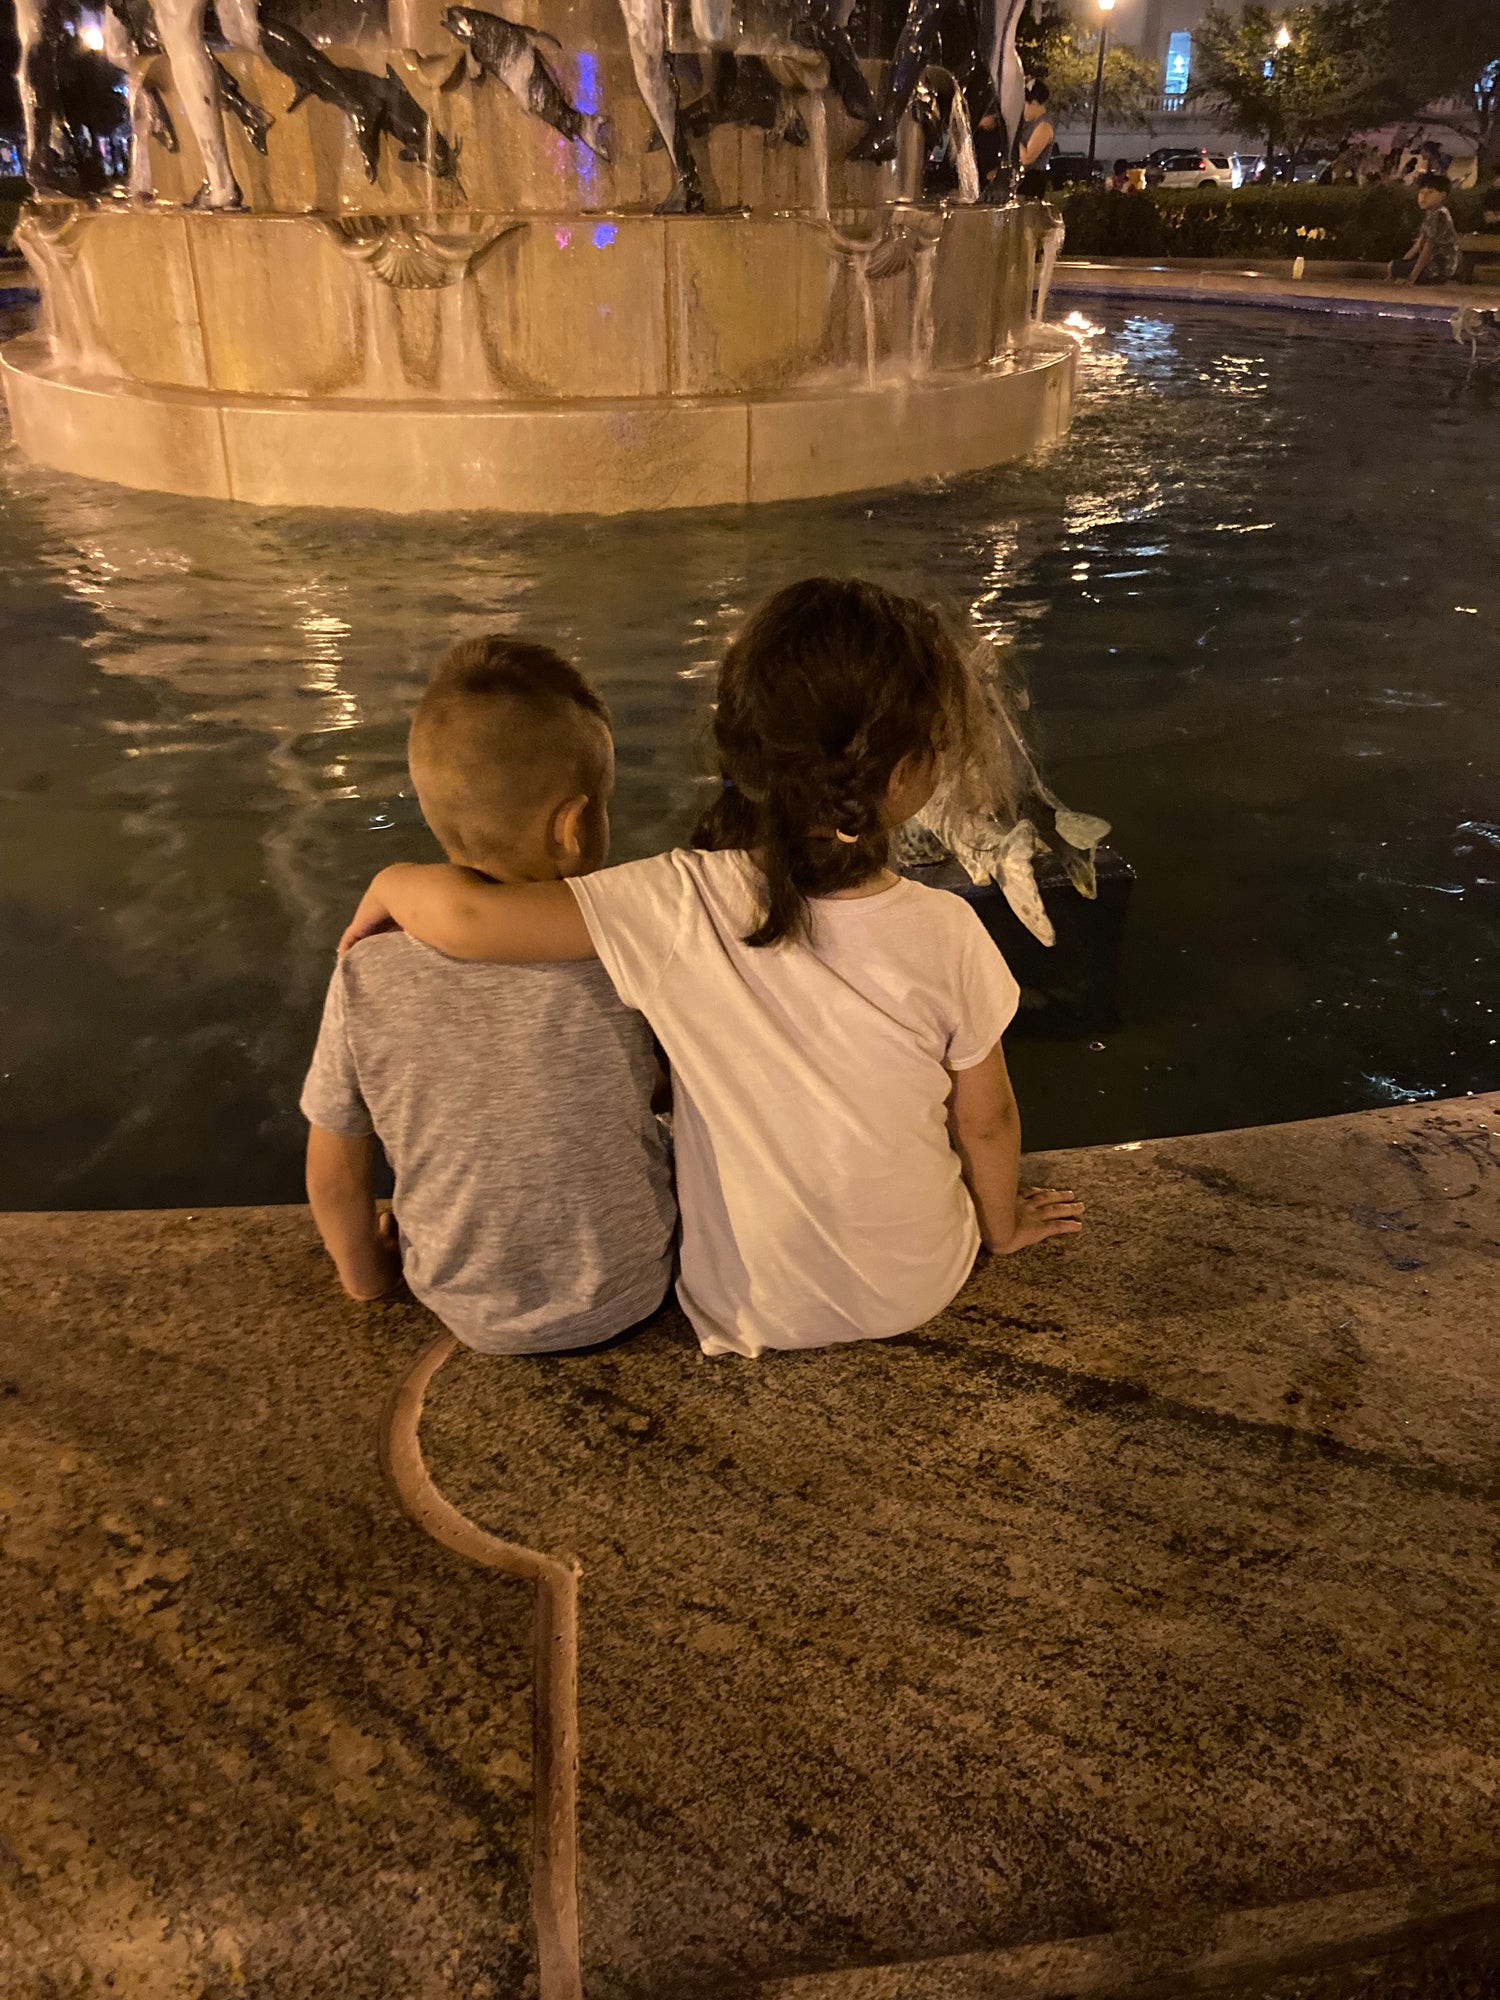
<point x="1228" y="283"/>
<point x="1146" y="1592"/>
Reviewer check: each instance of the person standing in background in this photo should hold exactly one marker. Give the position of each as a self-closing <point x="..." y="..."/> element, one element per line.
<point x="1038" y="137"/>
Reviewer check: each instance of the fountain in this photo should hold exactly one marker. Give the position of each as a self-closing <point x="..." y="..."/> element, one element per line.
<point x="626" y="255"/>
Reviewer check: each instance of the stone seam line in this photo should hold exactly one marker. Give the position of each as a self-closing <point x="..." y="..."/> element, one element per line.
<point x="554" y="1759"/>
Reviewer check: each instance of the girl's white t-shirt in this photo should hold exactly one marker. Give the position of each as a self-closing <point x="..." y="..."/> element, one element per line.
<point x="821" y="1200"/>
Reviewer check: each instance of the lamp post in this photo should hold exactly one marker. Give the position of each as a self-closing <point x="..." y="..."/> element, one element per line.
<point x="1282" y="44"/>
<point x="1105" y="7"/>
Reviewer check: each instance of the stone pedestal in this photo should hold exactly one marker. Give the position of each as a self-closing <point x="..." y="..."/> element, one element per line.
<point x="476" y="309"/>
<point x="534" y="362"/>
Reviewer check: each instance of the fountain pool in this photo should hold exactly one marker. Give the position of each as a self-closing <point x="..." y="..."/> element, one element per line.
<point x="1256" y="593"/>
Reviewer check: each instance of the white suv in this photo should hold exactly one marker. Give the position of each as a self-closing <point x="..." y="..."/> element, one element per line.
<point x="1191" y="170"/>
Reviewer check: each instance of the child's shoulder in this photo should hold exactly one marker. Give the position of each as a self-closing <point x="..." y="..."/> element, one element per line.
<point x="393" y="963"/>
<point x="946" y="911"/>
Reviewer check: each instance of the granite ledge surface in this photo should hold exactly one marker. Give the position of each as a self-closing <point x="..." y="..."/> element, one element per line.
<point x="1155" y="1578"/>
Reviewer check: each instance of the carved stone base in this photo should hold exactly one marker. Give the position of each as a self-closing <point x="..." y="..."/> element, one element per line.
<point x="538" y="364"/>
<point x="584" y="456"/>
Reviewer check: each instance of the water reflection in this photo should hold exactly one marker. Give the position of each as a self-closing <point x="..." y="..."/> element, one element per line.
<point x="1238" y="626"/>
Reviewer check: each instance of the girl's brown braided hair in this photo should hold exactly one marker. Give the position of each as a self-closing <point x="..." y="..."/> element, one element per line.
<point x="826" y="688"/>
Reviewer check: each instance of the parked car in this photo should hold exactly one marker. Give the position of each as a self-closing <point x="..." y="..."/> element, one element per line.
<point x="1073" y="169"/>
<point x="1171" y="167"/>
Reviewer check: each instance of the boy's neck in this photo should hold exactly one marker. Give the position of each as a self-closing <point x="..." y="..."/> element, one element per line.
<point x="508" y="871"/>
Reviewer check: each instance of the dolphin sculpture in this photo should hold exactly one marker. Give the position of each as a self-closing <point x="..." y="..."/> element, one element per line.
<point x="511" y="53"/>
<point x="374" y="105"/>
<point x="646" y="34"/>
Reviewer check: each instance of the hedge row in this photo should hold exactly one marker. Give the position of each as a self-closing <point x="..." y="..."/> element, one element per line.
<point x="1360" y="224"/>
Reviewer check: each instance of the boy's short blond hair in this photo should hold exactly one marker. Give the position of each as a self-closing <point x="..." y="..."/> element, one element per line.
<point x="505" y="729"/>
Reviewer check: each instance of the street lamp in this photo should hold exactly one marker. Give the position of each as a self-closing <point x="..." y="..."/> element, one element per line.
<point x="1105" y="8"/>
<point x="1283" y="36"/>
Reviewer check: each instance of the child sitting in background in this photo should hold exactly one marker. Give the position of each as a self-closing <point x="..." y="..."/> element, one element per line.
<point x="513" y="1101"/>
<point x="1433" y="256"/>
<point x="846" y="1132"/>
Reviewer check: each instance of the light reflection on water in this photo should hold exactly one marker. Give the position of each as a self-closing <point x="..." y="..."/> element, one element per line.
<point x="1256" y="594"/>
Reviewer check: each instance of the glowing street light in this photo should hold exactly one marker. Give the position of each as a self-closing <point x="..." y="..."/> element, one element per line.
<point x="1283" y="36"/>
<point x="91" y="35"/>
<point x="1105" y="9"/>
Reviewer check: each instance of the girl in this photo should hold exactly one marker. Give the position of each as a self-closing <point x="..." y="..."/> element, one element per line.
<point x="845" y="1127"/>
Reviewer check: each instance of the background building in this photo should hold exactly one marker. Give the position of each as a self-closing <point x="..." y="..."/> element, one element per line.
<point x="1162" y="31"/>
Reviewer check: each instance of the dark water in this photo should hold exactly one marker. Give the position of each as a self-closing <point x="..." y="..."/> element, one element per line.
<point x="1257" y="597"/>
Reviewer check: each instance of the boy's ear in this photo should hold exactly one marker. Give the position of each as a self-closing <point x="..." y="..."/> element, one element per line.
<point x="565" y="830"/>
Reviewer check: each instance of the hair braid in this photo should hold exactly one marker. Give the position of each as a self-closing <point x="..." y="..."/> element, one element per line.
<point x="828" y="687"/>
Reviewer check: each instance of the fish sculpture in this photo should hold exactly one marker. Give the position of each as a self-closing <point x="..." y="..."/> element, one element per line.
<point x="252" y="120"/>
<point x="374" y="105"/>
<point x="993" y="813"/>
<point x="746" y="93"/>
<point x="822" y="25"/>
<point x="918" y="48"/>
<point x="512" y="54"/>
<point x="987" y="29"/>
<point x="646" y="33"/>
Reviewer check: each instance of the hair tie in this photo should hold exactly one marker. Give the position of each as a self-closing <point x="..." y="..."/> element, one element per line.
<point x="849" y="839"/>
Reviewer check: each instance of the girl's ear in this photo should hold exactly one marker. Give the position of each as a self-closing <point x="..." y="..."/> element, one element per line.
<point x="565" y="829"/>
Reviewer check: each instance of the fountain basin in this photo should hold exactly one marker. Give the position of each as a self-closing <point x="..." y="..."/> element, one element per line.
<point x="534" y="363"/>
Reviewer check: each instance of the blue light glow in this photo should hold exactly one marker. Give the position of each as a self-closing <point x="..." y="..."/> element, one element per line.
<point x="1179" y="63"/>
<point x="604" y="234"/>
<point x="588" y="101"/>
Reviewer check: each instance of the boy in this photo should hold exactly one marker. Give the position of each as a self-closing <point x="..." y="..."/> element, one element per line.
<point x="1433" y="256"/>
<point x="532" y="1184"/>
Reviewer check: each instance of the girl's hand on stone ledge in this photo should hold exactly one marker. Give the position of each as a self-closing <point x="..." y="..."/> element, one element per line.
<point x="1040" y="1213"/>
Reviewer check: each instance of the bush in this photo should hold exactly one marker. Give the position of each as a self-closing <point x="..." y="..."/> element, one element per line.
<point x="1354" y="224"/>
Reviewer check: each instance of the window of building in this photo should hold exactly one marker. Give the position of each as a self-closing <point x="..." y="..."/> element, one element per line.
<point x="1179" y="62"/>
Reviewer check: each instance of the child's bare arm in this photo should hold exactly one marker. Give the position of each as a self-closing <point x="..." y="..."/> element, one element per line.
<point x="985" y="1127"/>
<point x="460" y="913"/>
<point x="340" y="1189"/>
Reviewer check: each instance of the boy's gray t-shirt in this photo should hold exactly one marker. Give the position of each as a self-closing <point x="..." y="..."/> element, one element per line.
<point x="533" y="1189"/>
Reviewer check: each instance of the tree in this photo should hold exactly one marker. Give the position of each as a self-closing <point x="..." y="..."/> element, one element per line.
<point x="1305" y="73"/>
<point x="1351" y="64"/>
<point x="1448" y="54"/>
<point x="1067" y="56"/>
